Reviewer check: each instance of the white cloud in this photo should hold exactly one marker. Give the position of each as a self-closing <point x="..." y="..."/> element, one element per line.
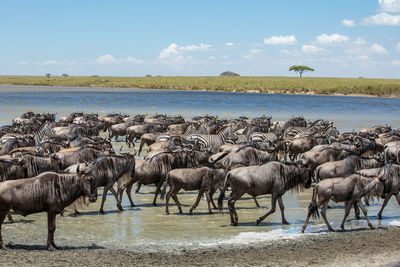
<point x="280" y="40"/>
<point x="396" y="62"/>
<point x="382" y="19"/>
<point x="23" y="63"/>
<point x="49" y="62"/>
<point x="255" y="51"/>
<point x="330" y="39"/>
<point x="311" y="49"/>
<point x="376" y="48"/>
<point x="390" y="5"/>
<point x="229" y="44"/>
<point x="105" y="59"/>
<point x="176" y="50"/>
<point x="348" y="23"/>
<point x="398" y="46"/>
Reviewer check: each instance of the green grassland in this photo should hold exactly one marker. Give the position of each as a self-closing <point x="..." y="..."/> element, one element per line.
<point x="291" y="85"/>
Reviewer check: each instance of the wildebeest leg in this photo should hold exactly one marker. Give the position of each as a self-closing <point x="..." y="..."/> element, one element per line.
<point x="208" y="202"/>
<point x="282" y="207"/>
<point x="103" y="199"/>
<point x="397" y="198"/>
<point x="346" y="213"/>
<point x="212" y="191"/>
<point x="255" y="201"/>
<point x="365" y="214"/>
<point x="138" y="187"/>
<point x="3" y="214"/>
<point x="158" y="190"/>
<point x="129" y="193"/>
<point x="201" y="191"/>
<point x="51" y="226"/>
<point x="272" y="210"/>
<point x="175" y="198"/>
<point x="10" y="218"/>
<point x="231" y="204"/>
<point x="171" y="188"/>
<point x="323" y="213"/>
<point x="388" y="196"/>
<point x="366" y="200"/>
<point x="116" y="198"/>
<point x="356" y="211"/>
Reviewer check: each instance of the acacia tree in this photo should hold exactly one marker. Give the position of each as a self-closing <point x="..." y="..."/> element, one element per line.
<point x="300" y="69"/>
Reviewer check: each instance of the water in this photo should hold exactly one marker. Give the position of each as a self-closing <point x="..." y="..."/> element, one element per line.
<point x="147" y="227"/>
<point x="348" y="113"/>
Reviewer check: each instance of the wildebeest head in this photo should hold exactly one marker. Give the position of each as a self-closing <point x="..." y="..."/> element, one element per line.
<point x="306" y="174"/>
<point x="90" y="187"/>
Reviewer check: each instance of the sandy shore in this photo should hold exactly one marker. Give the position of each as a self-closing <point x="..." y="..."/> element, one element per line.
<point x="351" y="248"/>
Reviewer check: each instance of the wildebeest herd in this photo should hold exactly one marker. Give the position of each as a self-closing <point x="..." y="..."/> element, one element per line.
<point x="49" y="165"/>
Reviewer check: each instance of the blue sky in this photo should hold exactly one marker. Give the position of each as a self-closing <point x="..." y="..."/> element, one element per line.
<point x="341" y="38"/>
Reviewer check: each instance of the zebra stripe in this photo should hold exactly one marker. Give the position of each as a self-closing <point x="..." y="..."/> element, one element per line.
<point x="213" y="141"/>
<point x="42" y="133"/>
<point x="261" y="137"/>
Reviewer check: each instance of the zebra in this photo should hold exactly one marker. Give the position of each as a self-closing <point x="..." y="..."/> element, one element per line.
<point x="44" y="132"/>
<point x="261" y="137"/>
<point x="213" y="141"/>
<point x="190" y="130"/>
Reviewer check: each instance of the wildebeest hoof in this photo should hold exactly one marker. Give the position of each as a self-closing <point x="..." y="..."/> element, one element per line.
<point x="180" y="211"/>
<point x="120" y="207"/>
<point x="331" y="229"/>
<point x="102" y="212"/>
<point x="258" y="222"/>
<point x="154" y="204"/>
<point x="167" y="213"/>
<point x="3" y="247"/>
<point x="210" y="212"/>
<point x="379" y="217"/>
<point x="286" y="222"/>
<point x="190" y="212"/>
<point x="371" y="226"/>
<point x="234" y="224"/>
<point x="51" y="248"/>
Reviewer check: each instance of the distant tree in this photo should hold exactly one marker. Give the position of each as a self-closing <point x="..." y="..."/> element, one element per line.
<point x="148" y="75"/>
<point x="65" y="75"/>
<point x="229" y="73"/>
<point x="48" y="75"/>
<point x="300" y="69"/>
<point x="95" y="75"/>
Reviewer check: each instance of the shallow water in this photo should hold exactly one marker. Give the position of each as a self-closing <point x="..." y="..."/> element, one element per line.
<point x="148" y="227"/>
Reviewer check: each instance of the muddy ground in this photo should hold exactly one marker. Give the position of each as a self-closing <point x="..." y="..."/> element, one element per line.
<point x="351" y="248"/>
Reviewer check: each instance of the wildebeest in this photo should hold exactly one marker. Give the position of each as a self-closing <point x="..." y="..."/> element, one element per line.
<point x="50" y="192"/>
<point x="71" y="157"/>
<point x="272" y="178"/>
<point x="350" y="189"/>
<point x="204" y="179"/>
<point x="391" y="184"/>
<point x="245" y="156"/>
<point x="106" y="171"/>
<point x="345" y="167"/>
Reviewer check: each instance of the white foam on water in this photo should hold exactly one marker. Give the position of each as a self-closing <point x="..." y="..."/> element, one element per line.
<point x="246" y="238"/>
<point x="394" y="223"/>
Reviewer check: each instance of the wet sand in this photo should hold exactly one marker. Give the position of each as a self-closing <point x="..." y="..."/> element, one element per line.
<point x="351" y="248"/>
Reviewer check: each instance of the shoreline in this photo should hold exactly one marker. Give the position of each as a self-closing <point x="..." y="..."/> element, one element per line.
<point x="359" y="247"/>
<point x="68" y="88"/>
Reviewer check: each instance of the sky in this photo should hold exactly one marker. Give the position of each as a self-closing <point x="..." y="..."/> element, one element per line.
<point x="340" y="38"/>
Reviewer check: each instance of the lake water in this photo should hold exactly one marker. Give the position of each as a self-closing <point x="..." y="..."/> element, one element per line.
<point x="148" y="227"/>
<point x="348" y="113"/>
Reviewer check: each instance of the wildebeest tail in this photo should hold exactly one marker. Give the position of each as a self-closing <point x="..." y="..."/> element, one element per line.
<point x="222" y="195"/>
<point x="313" y="208"/>
<point x="164" y="189"/>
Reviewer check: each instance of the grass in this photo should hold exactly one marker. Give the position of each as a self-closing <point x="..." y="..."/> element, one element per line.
<point x="295" y="85"/>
